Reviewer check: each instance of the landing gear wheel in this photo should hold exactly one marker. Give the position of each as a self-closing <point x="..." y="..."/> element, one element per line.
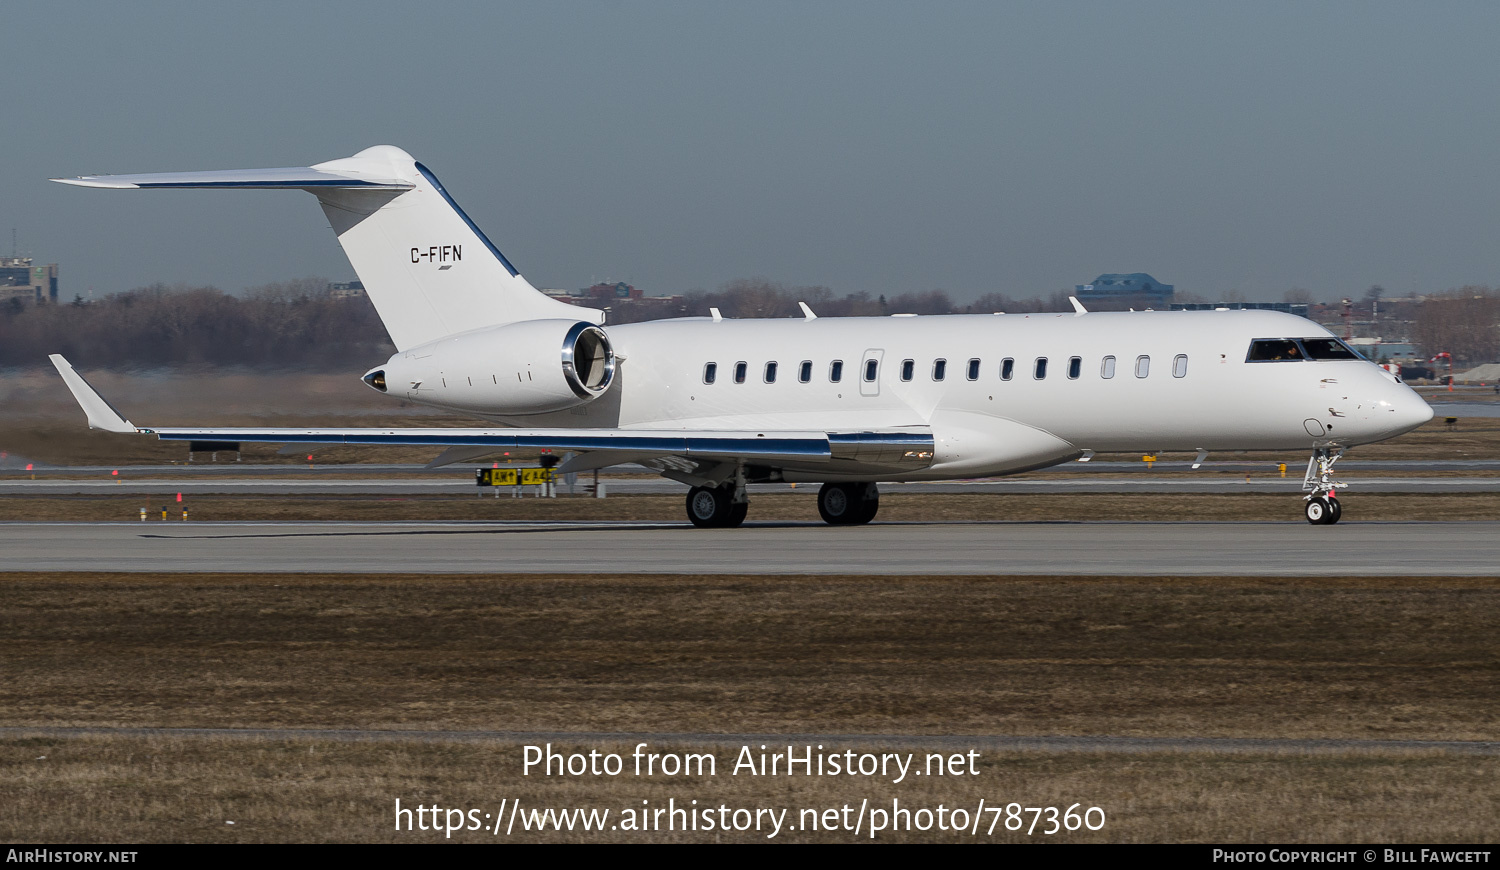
<point x="869" y="505"/>
<point x="1323" y="508"/>
<point x="847" y="504"/>
<point x="712" y="507"/>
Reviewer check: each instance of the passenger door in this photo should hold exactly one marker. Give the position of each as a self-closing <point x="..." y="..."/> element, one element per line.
<point x="871" y="386"/>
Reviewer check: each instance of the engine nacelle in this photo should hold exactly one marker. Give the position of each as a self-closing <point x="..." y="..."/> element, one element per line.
<point x="531" y="367"/>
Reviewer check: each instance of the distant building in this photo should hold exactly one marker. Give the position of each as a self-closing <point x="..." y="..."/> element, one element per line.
<point x="610" y="290"/>
<point x="1122" y="287"/>
<point x="346" y="290"/>
<point x="19" y="279"/>
<point x="1298" y="308"/>
<point x="600" y="295"/>
<point x="1378" y="349"/>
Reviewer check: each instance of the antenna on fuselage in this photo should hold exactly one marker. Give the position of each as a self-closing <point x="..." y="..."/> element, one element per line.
<point x="808" y="312"/>
<point x="1078" y="308"/>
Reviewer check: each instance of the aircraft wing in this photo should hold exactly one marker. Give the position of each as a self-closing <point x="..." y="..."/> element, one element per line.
<point x="898" y="447"/>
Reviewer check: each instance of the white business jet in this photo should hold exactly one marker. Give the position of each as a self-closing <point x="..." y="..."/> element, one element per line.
<point x="719" y="403"/>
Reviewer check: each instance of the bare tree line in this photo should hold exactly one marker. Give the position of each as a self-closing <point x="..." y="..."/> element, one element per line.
<point x="758" y="297"/>
<point x="291" y="324"/>
<point x="1463" y="322"/>
<point x="297" y="324"/>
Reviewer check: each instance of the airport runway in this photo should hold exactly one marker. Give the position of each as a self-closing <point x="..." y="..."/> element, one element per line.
<point x="1291" y="548"/>
<point x="1432" y="476"/>
<point x="1216" y="485"/>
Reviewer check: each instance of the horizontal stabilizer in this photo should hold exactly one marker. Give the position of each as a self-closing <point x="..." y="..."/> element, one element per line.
<point x="427" y="268"/>
<point x="292" y="178"/>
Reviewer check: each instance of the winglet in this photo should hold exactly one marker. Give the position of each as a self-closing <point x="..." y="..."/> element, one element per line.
<point x="1077" y="306"/>
<point x="101" y="414"/>
<point x="807" y="312"/>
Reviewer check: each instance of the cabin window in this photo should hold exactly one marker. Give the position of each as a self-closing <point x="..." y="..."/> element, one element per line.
<point x="836" y="371"/>
<point x="1107" y="368"/>
<point x="1274" y="350"/>
<point x="1007" y="368"/>
<point x="1179" y="366"/>
<point x="739" y="372"/>
<point x="1075" y="368"/>
<point x="770" y="372"/>
<point x="1040" y="371"/>
<point x="1142" y="366"/>
<point x="907" y="367"/>
<point x="939" y="369"/>
<point x="710" y="372"/>
<point x="804" y="374"/>
<point x="974" y="369"/>
<point x="872" y="367"/>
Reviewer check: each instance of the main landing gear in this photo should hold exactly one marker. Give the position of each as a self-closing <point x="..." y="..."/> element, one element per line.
<point x="847" y="504"/>
<point x="715" y="507"/>
<point x="1322" y="508"/>
<point x="724" y="506"/>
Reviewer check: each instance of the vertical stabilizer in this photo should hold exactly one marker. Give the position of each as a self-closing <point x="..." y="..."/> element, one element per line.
<point x="427" y="268"/>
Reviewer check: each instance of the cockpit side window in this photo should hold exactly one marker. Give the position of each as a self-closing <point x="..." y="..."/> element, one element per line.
<point x="1275" y="350"/>
<point x="1328" y="348"/>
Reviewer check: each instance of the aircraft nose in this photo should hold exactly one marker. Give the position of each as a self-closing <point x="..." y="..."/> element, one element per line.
<point x="1408" y="410"/>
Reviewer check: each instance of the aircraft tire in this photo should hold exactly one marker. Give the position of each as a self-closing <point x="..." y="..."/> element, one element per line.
<point x="736" y="514"/>
<point x="869" y="505"/>
<point x="848" y="504"/>
<point x="1317" y="511"/>
<point x="709" y="507"/>
<point x="1335" y="511"/>
<point x="838" y="504"/>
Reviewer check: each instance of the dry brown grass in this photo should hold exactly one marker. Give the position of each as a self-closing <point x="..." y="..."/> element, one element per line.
<point x="1377" y="658"/>
<point x="136" y="789"/>
<point x="799" y="507"/>
<point x="1317" y="657"/>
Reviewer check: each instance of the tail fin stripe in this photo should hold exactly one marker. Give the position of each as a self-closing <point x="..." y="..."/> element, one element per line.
<point x="438" y="186"/>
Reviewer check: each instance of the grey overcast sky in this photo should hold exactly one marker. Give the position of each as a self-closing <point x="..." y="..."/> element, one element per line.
<point x="1227" y="148"/>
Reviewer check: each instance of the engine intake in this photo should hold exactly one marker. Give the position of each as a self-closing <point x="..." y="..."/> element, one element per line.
<point x="588" y="360"/>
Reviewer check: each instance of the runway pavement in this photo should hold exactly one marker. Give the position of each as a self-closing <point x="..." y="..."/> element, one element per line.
<point x="1009" y="548"/>
<point x="459" y="487"/>
<point x="386" y="488"/>
<point x="1429" y="476"/>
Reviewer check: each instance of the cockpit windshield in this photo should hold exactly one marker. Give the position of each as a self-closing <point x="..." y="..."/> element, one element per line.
<point x="1299" y="349"/>
<point x="1329" y="348"/>
<point x="1275" y="350"/>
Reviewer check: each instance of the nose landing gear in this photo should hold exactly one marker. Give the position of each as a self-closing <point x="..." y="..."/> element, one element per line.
<point x="1322" y="508"/>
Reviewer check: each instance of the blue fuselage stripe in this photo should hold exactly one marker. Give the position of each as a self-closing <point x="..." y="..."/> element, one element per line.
<point x="685" y="445"/>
